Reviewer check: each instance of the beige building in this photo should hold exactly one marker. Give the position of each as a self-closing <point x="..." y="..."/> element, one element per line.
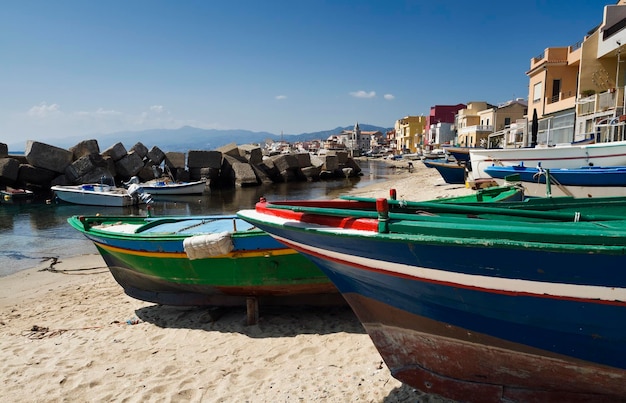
<point x="409" y="131"/>
<point x="578" y="91"/>
<point x="473" y="125"/>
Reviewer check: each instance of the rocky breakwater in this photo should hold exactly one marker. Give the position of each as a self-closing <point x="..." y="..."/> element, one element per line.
<point x="44" y="165"/>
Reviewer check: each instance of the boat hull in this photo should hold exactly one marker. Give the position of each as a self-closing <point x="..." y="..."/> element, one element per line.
<point x="162" y="188"/>
<point x="90" y="196"/>
<point x="483" y="320"/>
<point x="581" y="182"/>
<point x="155" y="267"/>
<point x="567" y="156"/>
<point x="451" y="173"/>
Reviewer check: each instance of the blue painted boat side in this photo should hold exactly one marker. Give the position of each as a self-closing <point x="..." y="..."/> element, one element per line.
<point x="582" y="328"/>
<point x="486" y="260"/>
<point x="586" y="176"/>
<point x="450" y="172"/>
<point x="572" y="328"/>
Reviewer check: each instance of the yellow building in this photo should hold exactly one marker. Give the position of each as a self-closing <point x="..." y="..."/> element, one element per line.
<point x="409" y="130"/>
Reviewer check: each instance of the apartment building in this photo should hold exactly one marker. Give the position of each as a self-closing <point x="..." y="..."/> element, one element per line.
<point x="409" y="132"/>
<point x="472" y="126"/>
<point x="578" y="91"/>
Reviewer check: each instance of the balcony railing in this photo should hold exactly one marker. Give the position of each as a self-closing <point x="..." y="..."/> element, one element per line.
<point x="605" y="101"/>
<point x="476" y="129"/>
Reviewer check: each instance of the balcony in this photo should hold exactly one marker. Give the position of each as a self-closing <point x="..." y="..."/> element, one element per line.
<point x="563" y="101"/>
<point x="476" y="129"/>
<point x="606" y="101"/>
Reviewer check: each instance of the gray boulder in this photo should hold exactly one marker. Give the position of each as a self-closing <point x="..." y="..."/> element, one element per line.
<point x="140" y="150"/>
<point x="244" y="174"/>
<point x="252" y="153"/>
<point x="9" y="170"/>
<point x="129" y="165"/>
<point x="85" y="164"/>
<point x="156" y="155"/>
<point x="116" y="152"/>
<point x="83" y="148"/>
<point x="175" y="160"/>
<point x="29" y="174"/>
<point x="204" y="159"/>
<point x="49" y="157"/>
<point x="230" y="149"/>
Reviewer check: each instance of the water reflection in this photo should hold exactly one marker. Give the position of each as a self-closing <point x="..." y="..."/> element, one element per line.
<point x="35" y="230"/>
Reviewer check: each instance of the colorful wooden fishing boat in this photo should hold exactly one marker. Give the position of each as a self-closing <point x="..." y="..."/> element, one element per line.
<point x="475" y="303"/>
<point x="589" y="181"/>
<point x="213" y="260"/>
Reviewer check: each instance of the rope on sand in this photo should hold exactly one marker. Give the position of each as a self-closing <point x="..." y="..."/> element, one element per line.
<point x="54" y="260"/>
<point x="40" y="332"/>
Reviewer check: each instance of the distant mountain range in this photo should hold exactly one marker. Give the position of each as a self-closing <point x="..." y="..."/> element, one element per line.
<point x="192" y="138"/>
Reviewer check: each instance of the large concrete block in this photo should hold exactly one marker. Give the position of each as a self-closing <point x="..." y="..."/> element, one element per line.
<point x="129" y="165"/>
<point x="98" y="175"/>
<point x="110" y="165"/>
<point x="331" y="163"/>
<point x="252" y="153"/>
<point x="140" y="150"/>
<point x="342" y="156"/>
<point x="285" y="162"/>
<point x="311" y="173"/>
<point x="83" y="165"/>
<point x="304" y="159"/>
<point x="29" y="174"/>
<point x="317" y="161"/>
<point x="244" y="174"/>
<point x="85" y="147"/>
<point x="149" y="172"/>
<point x="9" y="169"/>
<point x="261" y="173"/>
<point x="230" y="149"/>
<point x="4" y="150"/>
<point x="116" y="152"/>
<point x="351" y="163"/>
<point x="204" y="159"/>
<point x="49" y="157"/>
<point x="175" y="160"/>
<point x="156" y="155"/>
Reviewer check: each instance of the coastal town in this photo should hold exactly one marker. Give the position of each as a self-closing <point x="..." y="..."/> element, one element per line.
<point x="159" y="275"/>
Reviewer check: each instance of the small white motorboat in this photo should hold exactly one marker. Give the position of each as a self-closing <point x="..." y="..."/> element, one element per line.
<point x="169" y="187"/>
<point x="97" y="194"/>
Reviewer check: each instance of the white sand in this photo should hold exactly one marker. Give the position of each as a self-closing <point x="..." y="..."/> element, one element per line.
<point x="65" y="336"/>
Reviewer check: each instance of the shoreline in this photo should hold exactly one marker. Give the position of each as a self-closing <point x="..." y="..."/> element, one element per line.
<point x="70" y="333"/>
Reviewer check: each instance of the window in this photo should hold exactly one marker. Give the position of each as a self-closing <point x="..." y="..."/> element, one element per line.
<point x="537" y="92"/>
<point x="507" y="122"/>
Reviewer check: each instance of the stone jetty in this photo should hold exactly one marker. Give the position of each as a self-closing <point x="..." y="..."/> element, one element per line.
<point x="44" y="165"/>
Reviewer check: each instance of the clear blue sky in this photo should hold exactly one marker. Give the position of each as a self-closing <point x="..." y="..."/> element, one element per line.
<point x="78" y="67"/>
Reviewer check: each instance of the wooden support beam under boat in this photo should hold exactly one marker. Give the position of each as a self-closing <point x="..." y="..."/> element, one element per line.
<point x="252" y="311"/>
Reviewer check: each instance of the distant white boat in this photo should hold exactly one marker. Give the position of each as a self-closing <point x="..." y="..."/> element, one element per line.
<point x="160" y="187"/>
<point x="97" y="194"/>
<point x="169" y="187"/>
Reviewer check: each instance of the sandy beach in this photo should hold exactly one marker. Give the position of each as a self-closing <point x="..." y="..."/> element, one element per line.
<point x="69" y="333"/>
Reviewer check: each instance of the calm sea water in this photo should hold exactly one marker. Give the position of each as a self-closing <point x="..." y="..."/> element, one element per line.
<point x="32" y="232"/>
